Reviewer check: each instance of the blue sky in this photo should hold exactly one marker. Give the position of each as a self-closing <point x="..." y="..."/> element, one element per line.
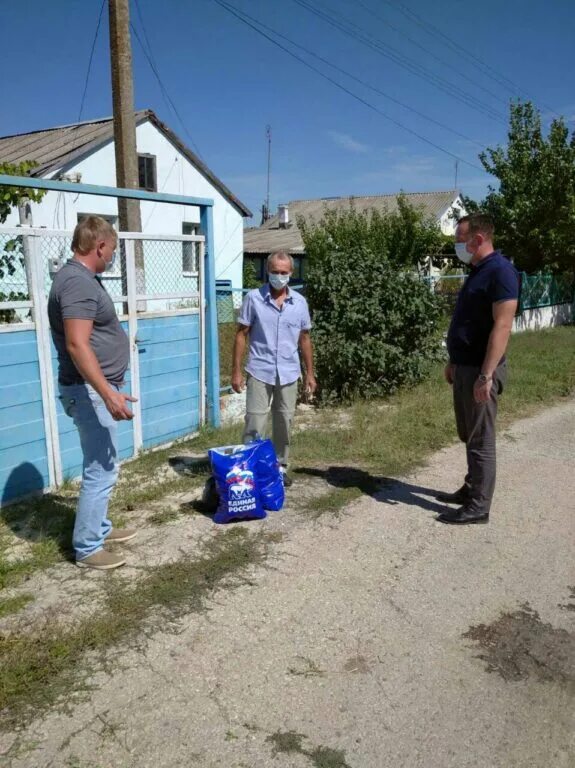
<point x="227" y="83"/>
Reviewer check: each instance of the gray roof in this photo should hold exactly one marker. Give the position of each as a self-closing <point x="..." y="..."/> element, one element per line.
<point x="57" y="148"/>
<point x="270" y="237"/>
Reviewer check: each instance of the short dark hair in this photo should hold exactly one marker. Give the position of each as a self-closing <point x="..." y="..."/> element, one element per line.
<point x="479" y="224"/>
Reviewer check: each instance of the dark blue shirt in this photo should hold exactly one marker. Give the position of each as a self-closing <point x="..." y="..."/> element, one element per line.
<point x="492" y="280"/>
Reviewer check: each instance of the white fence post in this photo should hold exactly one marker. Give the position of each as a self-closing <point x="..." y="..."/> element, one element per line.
<point x="202" y="321"/>
<point x="133" y="337"/>
<point x="38" y="294"/>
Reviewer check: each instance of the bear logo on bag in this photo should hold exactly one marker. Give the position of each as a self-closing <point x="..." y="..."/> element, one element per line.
<point x="241" y="487"/>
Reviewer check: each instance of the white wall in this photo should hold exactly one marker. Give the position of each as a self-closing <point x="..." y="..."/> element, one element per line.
<point x="543" y="317"/>
<point x="448" y="222"/>
<point x="175" y="175"/>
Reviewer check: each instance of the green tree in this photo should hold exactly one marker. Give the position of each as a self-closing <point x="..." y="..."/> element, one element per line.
<point x="249" y="275"/>
<point x="534" y="206"/>
<point x="375" y="320"/>
<point x="470" y="205"/>
<point x="11" y="251"/>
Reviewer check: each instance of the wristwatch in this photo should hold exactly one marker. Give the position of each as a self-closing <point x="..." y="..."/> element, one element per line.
<point x="483" y="378"/>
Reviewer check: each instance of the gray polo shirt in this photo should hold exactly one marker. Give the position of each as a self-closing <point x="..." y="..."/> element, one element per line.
<point x="78" y="294"/>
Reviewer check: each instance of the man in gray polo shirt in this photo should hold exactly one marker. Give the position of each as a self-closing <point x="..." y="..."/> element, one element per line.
<point x="93" y="355"/>
<point x="277" y="321"/>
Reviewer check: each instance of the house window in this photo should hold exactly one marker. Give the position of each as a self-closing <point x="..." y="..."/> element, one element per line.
<point x="190" y="251"/>
<point x="260" y="265"/>
<point x="147" y="172"/>
<point x="298" y="269"/>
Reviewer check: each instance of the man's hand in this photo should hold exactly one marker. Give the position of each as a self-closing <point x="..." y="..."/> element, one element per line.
<point x="449" y="373"/>
<point x="310" y="384"/>
<point x="482" y="390"/>
<point x="238" y="382"/>
<point x="116" y="403"/>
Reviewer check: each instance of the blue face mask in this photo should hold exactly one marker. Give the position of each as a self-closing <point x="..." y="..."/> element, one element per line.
<point x="278" y="281"/>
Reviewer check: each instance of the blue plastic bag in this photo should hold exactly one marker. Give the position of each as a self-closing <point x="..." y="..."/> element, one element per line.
<point x="269" y="477"/>
<point x="248" y="481"/>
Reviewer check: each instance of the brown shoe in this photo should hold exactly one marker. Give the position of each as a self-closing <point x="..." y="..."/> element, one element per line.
<point x="101" y="561"/>
<point x="117" y="535"/>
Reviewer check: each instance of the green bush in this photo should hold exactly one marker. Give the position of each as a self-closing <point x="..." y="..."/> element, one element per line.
<point x="375" y="321"/>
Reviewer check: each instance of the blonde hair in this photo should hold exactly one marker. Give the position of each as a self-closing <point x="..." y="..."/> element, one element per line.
<point x="89" y="231"/>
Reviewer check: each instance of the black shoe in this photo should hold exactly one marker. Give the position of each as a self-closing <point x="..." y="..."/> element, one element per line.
<point x="463" y="516"/>
<point x="461" y="496"/>
<point x="287" y="481"/>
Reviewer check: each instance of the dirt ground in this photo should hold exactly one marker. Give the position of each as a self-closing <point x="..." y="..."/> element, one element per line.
<point x="374" y="638"/>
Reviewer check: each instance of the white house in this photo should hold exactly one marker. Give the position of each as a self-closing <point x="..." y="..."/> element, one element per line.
<point x="85" y="152"/>
<point x="281" y="233"/>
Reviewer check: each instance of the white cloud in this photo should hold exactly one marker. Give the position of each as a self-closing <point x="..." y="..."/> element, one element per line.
<point x="347" y="142"/>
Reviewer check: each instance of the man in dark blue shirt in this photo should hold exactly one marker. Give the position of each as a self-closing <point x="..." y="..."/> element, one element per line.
<point x="477" y="369"/>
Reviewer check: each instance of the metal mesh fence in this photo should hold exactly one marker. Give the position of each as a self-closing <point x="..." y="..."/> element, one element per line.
<point x="13" y="279"/>
<point x="167" y="273"/>
<point x="546" y="290"/>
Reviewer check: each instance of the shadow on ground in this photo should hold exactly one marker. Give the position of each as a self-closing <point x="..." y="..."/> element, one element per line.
<point x="47" y="516"/>
<point x="383" y="489"/>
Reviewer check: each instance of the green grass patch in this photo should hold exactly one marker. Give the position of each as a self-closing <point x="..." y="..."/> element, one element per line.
<point x="330" y="503"/>
<point x="226" y="334"/>
<point x="15" y="604"/>
<point x="43" y="665"/>
<point x="128" y="497"/>
<point x="291" y="742"/>
<point x="395" y="435"/>
<point x="163" y="517"/>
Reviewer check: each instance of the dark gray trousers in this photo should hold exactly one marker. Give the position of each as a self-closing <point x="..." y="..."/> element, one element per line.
<point x="476" y="428"/>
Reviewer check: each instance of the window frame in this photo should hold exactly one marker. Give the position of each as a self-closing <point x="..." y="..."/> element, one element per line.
<point x="195" y="226"/>
<point x="148" y="156"/>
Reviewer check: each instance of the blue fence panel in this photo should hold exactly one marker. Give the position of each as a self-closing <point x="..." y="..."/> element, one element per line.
<point x="169" y="377"/>
<point x="70" y="450"/>
<point x="23" y="449"/>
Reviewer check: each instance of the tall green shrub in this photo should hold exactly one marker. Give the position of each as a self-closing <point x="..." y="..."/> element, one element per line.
<point x="375" y="320"/>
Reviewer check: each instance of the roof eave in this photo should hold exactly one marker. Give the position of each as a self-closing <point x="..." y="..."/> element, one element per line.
<point x="199" y="164"/>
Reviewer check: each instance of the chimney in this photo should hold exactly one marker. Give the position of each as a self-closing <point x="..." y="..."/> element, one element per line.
<point x="283" y="214"/>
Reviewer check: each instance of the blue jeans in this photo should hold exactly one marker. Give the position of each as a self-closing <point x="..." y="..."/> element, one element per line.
<point x="98" y="437"/>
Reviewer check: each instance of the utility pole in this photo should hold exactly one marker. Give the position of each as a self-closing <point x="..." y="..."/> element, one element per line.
<point x="125" y="131"/>
<point x="456" y="172"/>
<point x="266" y="207"/>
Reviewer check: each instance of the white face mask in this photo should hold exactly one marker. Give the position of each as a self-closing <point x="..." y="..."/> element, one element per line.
<point x="278" y="281"/>
<point x="462" y="253"/>
<point x="112" y="263"/>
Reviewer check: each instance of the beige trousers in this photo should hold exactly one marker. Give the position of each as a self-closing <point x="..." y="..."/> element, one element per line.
<point x="282" y="399"/>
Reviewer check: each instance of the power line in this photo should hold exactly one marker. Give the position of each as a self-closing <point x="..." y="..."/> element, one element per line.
<point x="83" y="99"/>
<point x="487" y="69"/>
<point x="430" y="52"/>
<point x="361" y="82"/>
<point x="234" y="12"/>
<point x="165" y="94"/>
<point x="141" y="18"/>
<point x="236" y="257"/>
<point x="161" y="190"/>
<point x="453" y="90"/>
